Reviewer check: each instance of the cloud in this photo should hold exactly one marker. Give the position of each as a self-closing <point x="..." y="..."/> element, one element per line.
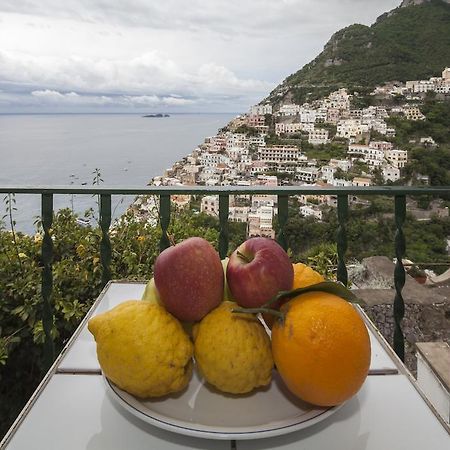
<point x="170" y="52"/>
<point x="226" y="17"/>
<point x="139" y="80"/>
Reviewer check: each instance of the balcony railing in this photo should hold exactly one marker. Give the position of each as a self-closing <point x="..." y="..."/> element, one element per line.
<point x="47" y="194"/>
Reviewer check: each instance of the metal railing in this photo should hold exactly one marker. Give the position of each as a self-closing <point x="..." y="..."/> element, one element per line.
<point x="283" y="193"/>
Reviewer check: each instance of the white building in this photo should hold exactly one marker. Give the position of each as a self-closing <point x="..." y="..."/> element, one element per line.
<point x="397" y="158"/>
<point x="260" y="223"/>
<point x="210" y="205"/>
<point x="318" y="136"/>
<point x="381" y="145"/>
<point x="237" y="140"/>
<point x="287" y="128"/>
<point x="328" y="173"/>
<point x="391" y="173"/>
<point x="238" y="213"/>
<point x="307" y="174"/>
<point x="261" y="109"/>
<point x="310" y="211"/>
<point x="371" y="156"/>
<point x="307" y="115"/>
<point x="264" y="200"/>
<point x="348" y="128"/>
<point x="361" y="181"/>
<point x="258" y="167"/>
<point x="279" y="153"/>
<point x="289" y="110"/>
<point x="213" y="159"/>
<point x="343" y="164"/>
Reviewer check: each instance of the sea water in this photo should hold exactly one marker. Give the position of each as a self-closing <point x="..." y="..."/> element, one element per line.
<point x="66" y="149"/>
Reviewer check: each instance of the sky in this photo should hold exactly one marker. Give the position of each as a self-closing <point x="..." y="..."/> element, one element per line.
<point x="161" y="55"/>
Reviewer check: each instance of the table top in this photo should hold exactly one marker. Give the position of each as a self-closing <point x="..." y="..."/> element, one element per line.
<point x="72" y="409"/>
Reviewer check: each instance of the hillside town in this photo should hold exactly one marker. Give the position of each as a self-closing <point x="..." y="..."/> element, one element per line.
<point x="272" y="145"/>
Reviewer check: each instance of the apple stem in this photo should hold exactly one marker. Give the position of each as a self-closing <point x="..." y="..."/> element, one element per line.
<point x="261" y="310"/>
<point x="242" y="256"/>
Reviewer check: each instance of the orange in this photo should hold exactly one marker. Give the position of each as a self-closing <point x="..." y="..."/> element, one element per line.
<point x="321" y="348"/>
<point x="303" y="276"/>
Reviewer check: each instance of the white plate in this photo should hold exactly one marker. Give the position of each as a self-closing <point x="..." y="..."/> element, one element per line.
<point x="201" y="411"/>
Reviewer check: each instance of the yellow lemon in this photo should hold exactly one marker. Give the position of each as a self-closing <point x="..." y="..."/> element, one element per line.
<point x="232" y="350"/>
<point x="143" y="349"/>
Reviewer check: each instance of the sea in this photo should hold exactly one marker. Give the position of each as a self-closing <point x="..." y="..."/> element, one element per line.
<point x="126" y="150"/>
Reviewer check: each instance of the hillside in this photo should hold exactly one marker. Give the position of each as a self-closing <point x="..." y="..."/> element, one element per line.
<point x="410" y="42"/>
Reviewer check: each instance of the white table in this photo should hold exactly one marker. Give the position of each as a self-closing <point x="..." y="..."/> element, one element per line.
<point x="73" y="410"/>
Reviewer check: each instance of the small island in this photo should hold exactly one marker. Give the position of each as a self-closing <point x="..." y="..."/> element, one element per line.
<point x="156" y="115"/>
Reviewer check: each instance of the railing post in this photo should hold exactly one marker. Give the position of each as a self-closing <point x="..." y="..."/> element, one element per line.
<point x="164" y="219"/>
<point x="47" y="279"/>
<point x="283" y="213"/>
<point x="224" y="202"/>
<point x="399" y="275"/>
<point x="105" y="244"/>
<point x="342" y="211"/>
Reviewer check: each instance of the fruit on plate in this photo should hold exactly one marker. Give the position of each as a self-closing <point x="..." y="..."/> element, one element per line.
<point x="303" y="276"/>
<point x="142" y="349"/>
<point x="321" y="348"/>
<point x="232" y="351"/>
<point x="151" y="293"/>
<point x="258" y="269"/>
<point x="189" y="279"/>
<point x="226" y="290"/>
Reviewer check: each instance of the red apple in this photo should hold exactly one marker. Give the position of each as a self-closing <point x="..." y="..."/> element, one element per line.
<point x="189" y="279"/>
<point x="257" y="270"/>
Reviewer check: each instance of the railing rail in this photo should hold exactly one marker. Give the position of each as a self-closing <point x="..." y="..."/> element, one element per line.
<point x="283" y="193"/>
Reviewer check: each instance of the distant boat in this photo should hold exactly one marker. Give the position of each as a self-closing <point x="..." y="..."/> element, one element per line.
<point x="156" y="115"/>
<point x="83" y="222"/>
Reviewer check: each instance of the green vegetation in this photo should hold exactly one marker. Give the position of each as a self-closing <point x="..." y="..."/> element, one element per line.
<point x="370" y="231"/>
<point x="76" y="283"/>
<point x="77" y="271"/>
<point x="395" y="47"/>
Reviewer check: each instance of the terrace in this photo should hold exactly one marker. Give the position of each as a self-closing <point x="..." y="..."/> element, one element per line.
<point x="399" y="194"/>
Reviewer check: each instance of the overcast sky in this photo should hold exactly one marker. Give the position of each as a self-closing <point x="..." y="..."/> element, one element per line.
<point x="161" y="55"/>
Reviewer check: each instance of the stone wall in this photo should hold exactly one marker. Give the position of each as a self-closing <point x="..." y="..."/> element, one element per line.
<point x="427" y="307"/>
<point x="421" y="323"/>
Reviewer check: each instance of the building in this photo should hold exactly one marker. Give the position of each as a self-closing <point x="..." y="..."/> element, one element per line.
<point x="258" y="167"/>
<point x="381" y="145"/>
<point x="343" y="164"/>
<point x="279" y="153"/>
<point x="397" y="158"/>
<point x="328" y="173"/>
<point x="289" y="110"/>
<point x="210" y="205"/>
<point x="287" y="128"/>
<point x="371" y="156"/>
<point x="391" y="173"/>
<point x="307" y="174"/>
<point x="348" y="128"/>
<point x="260" y="110"/>
<point x="238" y="213"/>
<point x="361" y="181"/>
<point x="310" y="211"/>
<point x="318" y="136"/>
<point x="260" y="223"/>
<point x="307" y="115"/>
<point x="414" y="113"/>
<point x="255" y="121"/>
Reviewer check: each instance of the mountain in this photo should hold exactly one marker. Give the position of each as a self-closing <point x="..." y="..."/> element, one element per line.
<point x="408" y="43"/>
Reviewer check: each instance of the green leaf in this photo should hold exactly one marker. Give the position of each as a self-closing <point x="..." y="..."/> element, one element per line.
<point x="331" y="287"/>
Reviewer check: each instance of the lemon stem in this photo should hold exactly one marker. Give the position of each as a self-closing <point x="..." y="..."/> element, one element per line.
<point x="261" y="310"/>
